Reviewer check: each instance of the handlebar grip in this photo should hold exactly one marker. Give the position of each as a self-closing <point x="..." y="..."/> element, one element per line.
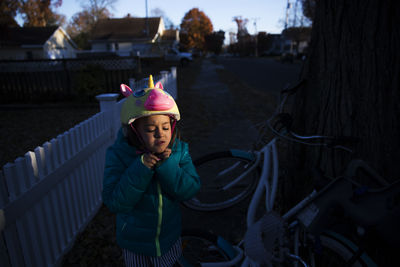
<point x="285" y="119"/>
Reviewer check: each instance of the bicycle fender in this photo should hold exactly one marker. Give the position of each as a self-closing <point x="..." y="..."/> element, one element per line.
<point x="242" y="154"/>
<point x="348" y="243"/>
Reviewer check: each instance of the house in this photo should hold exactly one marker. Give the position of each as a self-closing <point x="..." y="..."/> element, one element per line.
<point x="146" y="37"/>
<point x="282" y="43"/>
<point x="25" y="43"/>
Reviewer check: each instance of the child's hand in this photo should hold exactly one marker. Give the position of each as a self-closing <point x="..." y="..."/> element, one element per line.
<point x="165" y="154"/>
<point x="150" y="160"/>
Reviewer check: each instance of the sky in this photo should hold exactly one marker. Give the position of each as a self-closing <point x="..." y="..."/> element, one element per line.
<point x="269" y="15"/>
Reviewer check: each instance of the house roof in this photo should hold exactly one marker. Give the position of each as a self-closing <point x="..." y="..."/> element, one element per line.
<point x="19" y="36"/>
<point x="125" y="29"/>
<point x="170" y="35"/>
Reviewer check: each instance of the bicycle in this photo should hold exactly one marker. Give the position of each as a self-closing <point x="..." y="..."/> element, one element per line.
<point x="323" y="226"/>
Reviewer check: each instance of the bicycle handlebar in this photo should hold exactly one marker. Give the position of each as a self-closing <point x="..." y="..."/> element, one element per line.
<point x="293" y="89"/>
<point x="283" y="125"/>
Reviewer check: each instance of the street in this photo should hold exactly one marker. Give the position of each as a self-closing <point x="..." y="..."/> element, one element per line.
<point x="262" y="73"/>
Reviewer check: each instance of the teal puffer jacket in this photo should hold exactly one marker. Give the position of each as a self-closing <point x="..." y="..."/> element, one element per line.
<point x="147" y="201"/>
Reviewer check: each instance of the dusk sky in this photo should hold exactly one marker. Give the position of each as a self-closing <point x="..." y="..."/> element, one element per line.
<point x="269" y="14"/>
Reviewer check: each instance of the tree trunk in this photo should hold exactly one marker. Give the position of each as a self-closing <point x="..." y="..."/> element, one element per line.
<point x="353" y="73"/>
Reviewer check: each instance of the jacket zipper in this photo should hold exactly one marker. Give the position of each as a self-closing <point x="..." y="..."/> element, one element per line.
<point x="123" y="227"/>
<point x="160" y="205"/>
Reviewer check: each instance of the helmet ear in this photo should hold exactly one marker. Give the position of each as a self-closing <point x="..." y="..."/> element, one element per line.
<point x="125" y="90"/>
<point x="159" y="85"/>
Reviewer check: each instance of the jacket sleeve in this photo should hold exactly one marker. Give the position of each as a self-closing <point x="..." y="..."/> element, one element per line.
<point x="123" y="186"/>
<point x="177" y="175"/>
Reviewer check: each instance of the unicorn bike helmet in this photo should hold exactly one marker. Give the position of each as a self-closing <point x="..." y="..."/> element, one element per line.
<point x="153" y="100"/>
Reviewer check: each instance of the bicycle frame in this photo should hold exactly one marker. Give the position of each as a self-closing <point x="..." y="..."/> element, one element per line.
<point x="269" y="182"/>
<point x="270" y="154"/>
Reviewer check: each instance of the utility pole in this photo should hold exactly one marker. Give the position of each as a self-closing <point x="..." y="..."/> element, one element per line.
<point x="147" y="22"/>
<point x="295" y="13"/>
<point x="288" y="6"/>
<point x="256" y="35"/>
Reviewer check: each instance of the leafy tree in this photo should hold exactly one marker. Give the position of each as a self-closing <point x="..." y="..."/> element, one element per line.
<point x="39" y="13"/>
<point x="82" y="23"/>
<point x="214" y="41"/>
<point x="196" y="25"/>
<point x="264" y="42"/>
<point x="8" y="10"/>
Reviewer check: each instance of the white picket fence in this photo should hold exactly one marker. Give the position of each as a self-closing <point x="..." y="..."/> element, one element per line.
<point x="47" y="197"/>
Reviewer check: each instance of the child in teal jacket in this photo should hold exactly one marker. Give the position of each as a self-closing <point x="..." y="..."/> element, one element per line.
<point x="148" y="172"/>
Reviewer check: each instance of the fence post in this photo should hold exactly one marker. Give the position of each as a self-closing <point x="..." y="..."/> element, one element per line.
<point x="132" y="83"/>
<point x="164" y="79"/>
<point x="174" y="82"/>
<point x="108" y="103"/>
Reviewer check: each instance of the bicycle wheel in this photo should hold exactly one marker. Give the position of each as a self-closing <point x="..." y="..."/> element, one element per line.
<point x="217" y="170"/>
<point x="332" y="249"/>
<point x="199" y="246"/>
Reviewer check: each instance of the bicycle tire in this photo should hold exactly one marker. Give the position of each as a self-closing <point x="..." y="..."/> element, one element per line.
<point x="199" y="246"/>
<point x="212" y="169"/>
<point x="336" y="250"/>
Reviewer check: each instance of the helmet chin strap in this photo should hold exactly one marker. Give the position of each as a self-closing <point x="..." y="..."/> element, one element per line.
<point x="141" y="139"/>
<point x="173" y="127"/>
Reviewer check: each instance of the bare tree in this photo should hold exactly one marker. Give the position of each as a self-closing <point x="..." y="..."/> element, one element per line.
<point x="82" y="23"/>
<point x="157" y="12"/>
<point x="97" y="8"/>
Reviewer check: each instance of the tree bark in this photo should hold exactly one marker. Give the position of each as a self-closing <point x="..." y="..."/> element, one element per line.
<point x="353" y="73"/>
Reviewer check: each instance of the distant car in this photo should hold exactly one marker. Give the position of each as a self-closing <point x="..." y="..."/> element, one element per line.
<point x="174" y="55"/>
<point x="196" y="53"/>
<point x="269" y="53"/>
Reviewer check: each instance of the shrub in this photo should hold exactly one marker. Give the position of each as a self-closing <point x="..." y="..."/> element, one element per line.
<point x="90" y="81"/>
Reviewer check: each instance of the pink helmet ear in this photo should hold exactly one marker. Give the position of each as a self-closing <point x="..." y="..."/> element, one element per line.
<point x="125" y="90"/>
<point x="159" y="85"/>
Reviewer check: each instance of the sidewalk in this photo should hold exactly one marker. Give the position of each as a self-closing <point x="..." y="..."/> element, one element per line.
<point x="213" y="122"/>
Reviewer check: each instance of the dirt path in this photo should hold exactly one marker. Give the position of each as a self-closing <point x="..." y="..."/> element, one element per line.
<point x="217" y="122"/>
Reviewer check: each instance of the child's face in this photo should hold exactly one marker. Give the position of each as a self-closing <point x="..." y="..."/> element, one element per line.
<point x="155" y="131"/>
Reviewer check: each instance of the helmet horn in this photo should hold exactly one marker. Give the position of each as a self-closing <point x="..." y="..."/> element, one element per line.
<point x="151" y="83"/>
